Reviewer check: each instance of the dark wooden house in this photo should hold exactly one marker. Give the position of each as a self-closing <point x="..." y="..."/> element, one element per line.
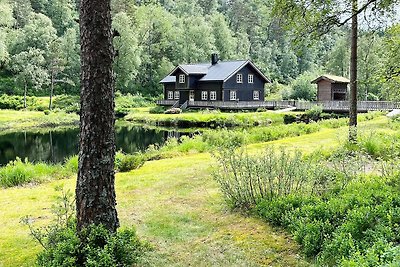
<point x="217" y="81"/>
<point x="331" y="88"/>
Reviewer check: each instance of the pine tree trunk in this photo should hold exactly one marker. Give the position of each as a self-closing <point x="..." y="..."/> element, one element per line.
<point x="353" y="75"/>
<point x="95" y="191"/>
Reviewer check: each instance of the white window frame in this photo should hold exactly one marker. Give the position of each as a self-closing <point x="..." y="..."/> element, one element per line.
<point x="176" y="95"/>
<point x="256" y="95"/>
<point x="239" y="78"/>
<point x="232" y="95"/>
<point x="204" y="95"/>
<point x="182" y="78"/>
<point x="213" y="95"/>
<point x="170" y="94"/>
<point x="250" y="78"/>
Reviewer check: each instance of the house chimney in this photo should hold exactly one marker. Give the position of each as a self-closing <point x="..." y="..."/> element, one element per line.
<point x="214" y="58"/>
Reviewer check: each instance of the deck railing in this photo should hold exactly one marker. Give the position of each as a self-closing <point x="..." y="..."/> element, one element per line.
<point x="343" y="106"/>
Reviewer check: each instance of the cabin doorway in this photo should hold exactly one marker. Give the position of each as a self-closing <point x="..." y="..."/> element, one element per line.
<point x="191" y="95"/>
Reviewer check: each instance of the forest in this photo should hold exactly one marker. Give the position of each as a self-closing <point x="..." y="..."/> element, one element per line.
<point x="39" y="46"/>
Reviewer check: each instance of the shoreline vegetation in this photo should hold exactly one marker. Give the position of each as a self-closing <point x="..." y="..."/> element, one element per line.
<point x="21" y="172"/>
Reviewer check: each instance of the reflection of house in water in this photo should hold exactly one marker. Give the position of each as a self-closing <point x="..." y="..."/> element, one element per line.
<point x="177" y="134"/>
<point x="331" y="88"/>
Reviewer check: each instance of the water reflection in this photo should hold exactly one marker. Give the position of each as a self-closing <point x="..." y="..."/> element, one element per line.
<point x="55" y="146"/>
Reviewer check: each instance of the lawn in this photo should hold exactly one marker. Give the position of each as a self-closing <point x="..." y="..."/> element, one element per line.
<point x="11" y="120"/>
<point x="207" y="118"/>
<point x="177" y="207"/>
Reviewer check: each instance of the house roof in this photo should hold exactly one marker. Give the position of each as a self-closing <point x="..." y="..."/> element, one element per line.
<point x="332" y="79"/>
<point x="168" y="79"/>
<point x="221" y="71"/>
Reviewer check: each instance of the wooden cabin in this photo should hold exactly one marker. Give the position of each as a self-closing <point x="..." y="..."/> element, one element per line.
<point x="217" y="81"/>
<point x="331" y="88"/>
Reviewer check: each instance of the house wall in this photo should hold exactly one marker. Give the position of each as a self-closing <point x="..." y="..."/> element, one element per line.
<point x="324" y="92"/>
<point x="208" y="86"/>
<point x="168" y="87"/>
<point x="244" y="91"/>
<point x="181" y="85"/>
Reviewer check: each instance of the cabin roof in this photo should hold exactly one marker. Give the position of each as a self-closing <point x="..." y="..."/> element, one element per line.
<point x="168" y="79"/>
<point x="332" y="79"/>
<point x="221" y="71"/>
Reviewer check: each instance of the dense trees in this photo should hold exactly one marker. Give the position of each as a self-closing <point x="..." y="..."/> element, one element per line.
<point x="155" y="35"/>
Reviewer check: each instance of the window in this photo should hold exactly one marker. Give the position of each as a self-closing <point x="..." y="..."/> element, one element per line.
<point x="239" y="78"/>
<point x="170" y="95"/>
<point x="176" y="95"/>
<point x="250" y="78"/>
<point x="204" y="95"/>
<point x="182" y="78"/>
<point x="256" y="95"/>
<point x="213" y="95"/>
<point x="232" y="95"/>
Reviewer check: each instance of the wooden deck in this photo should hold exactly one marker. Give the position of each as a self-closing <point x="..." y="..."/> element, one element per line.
<point x="333" y="106"/>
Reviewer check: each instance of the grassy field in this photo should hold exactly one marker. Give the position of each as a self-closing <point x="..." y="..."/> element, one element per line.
<point x="11" y="120"/>
<point x="177" y="207"/>
<point x="208" y="118"/>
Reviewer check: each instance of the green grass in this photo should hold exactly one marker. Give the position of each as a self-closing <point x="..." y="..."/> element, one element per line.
<point x="11" y="120"/>
<point x="211" y="118"/>
<point x="176" y="206"/>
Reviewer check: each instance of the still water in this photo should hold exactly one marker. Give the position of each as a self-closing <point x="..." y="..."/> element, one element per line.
<point x="55" y="146"/>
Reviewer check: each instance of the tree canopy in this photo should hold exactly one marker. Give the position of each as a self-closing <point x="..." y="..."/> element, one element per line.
<point x="155" y="35"/>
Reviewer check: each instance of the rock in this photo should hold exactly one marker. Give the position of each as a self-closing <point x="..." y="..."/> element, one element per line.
<point x="394" y="113"/>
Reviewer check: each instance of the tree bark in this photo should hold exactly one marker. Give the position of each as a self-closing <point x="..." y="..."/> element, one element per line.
<point x="353" y="74"/>
<point x="95" y="191"/>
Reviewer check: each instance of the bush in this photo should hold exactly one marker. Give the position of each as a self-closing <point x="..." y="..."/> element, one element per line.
<point x="302" y="89"/>
<point x="71" y="164"/>
<point x="131" y="101"/>
<point x="16" y="173"/>
<point x="94" y="246"/>
<point x="314" y="113"/>
<point x="157" y="110"/>
<point x="342" y="228"/>
<point x="67" y="103"/>
<point x="245" y="179"/>
<point x="127" y="162"/>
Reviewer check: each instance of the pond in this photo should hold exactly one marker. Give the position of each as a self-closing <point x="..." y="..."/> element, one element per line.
<point x="54" y="146"/>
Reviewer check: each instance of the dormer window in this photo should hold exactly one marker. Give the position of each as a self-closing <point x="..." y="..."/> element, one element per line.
<point x="182" y="78"/>
<point x="239" y="78"/>
<point x="250" y="78"/>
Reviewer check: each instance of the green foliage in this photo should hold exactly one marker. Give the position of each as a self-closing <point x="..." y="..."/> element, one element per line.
<point x="69" y="104"/>
<point x="71" y="164"/>
<point x="157" y="110"/>
<point x="127" y="162"/>
<point x="302" y="89"/>
<point x="94" y="246"/>
<point x="246" y="179"/>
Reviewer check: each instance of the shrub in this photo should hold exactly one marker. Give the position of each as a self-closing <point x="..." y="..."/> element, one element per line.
<point x="245" y="179"/>
<point x="67" y="103"/>
<point x="157" y="110"/>
<point x="302" y="87"/>
<point x="46" y="112"/>
<point x="71" y="164"/>
<point x="131" y="101"/>
<point x="94" y="246"/>
<point x="16" y="173"/>
<point x="314" y="113"/>
<point x="127" y="162"/>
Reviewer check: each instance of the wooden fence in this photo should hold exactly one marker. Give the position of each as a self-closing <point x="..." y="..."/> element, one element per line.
<point x="334" y="106"/>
